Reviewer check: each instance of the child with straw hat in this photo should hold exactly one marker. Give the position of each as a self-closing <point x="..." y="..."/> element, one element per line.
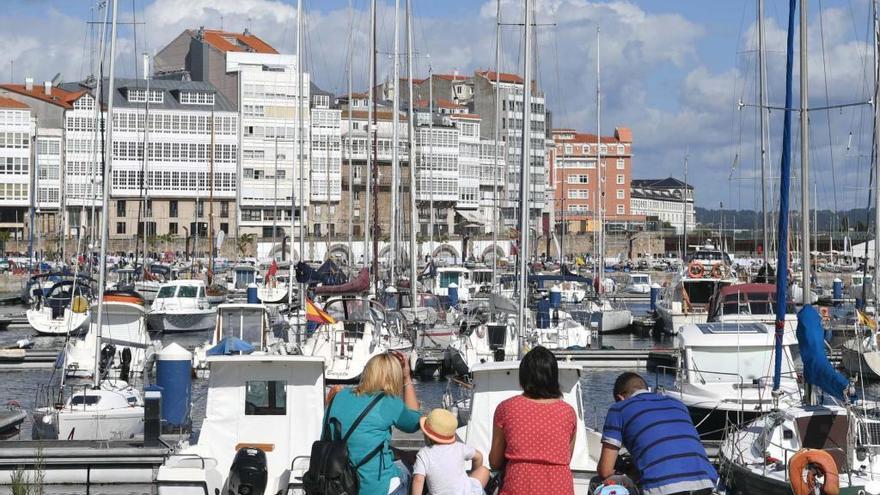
<point x="441" y="462"/>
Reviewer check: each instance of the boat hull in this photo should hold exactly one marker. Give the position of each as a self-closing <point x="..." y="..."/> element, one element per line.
<point x="70" y="424"/>
<point x="865" y="363"/>
<point x="615" y="321"/>
<point x="70" y="324"/>
<point x="180" y="322"/>
<point x="672" y="321"/>
<point x="711" y="423"/>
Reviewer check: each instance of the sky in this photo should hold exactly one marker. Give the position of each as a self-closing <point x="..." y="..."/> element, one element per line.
<point x="681" y="73"/>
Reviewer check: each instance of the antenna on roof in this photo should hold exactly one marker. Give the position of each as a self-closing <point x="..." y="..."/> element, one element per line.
<point x="221" y="22"/>
<point x="57" y="80"/>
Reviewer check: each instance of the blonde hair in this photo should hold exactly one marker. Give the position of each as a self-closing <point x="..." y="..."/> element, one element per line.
<point x="381" y="374"/>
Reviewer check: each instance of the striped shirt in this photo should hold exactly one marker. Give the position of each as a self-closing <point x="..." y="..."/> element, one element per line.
<point x="665" y="447"/>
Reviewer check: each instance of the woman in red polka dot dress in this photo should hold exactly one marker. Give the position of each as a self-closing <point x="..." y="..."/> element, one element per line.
<point x="533" y="434"/>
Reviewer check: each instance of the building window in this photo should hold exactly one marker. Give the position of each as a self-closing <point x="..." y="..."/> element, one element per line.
<point x="317" y="230"/>
<point x="224" y="209"/>
<point x="172" y="228"/>
<point x="621" y="164"/>
<point x="172" y="208"/>
<point x="620" y="210"/>
<point x="200" y="208"/>
<point x="120" y="227"/>
<point x="620" y="194"/>
<point x="196" y="98"/>
<point x="224" y="227"/>
<point x="620" y="178"/>
<point x="149" y="211"/>
<point x="120" y="212"/>
<point x="621" y="149"/>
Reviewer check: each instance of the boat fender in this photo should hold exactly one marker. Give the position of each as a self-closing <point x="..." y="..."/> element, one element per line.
<point x="806" y="465"/>
<point x="717" y="270"/>
<point x="481" y="331"/>
<point x="80" y="305"/>
<point x="696" y="270"/>
<point x="108" y="353"/>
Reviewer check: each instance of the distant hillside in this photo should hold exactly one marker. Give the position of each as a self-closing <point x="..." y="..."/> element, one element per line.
<point x="856" y="219"/>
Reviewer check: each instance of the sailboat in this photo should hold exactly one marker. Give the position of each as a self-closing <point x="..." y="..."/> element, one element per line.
<point x="108" y="409"/>
<point x="807" y="448"/>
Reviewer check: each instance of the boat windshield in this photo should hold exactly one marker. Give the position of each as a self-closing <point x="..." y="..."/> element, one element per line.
<point x="726" y="364"/>
<point x="753" y="303"/>
<point x="84" y="400"/>
<point x="187" y="291"/>
<point x="165" y="292"/>
<point x="700" y="291"/>
<point x="482" y="277"/>
<point x="639" y="279"/>
<point x="447" y="278"/>
<point x="246" y="324"/>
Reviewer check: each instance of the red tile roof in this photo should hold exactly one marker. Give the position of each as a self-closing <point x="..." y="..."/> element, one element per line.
<point x="468" y="116"/>
<point x="60" y="97"/>
<point x="503" y="77"/>
<point x="621" y="135"/>
<point x="10" y="103"/>
<point x="451" y="77"/>
<point x="444" y="103"/>
<point x="235" y="42"/>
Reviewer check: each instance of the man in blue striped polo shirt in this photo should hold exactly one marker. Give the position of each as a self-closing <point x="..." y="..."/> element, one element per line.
<point x="661" y="438"/>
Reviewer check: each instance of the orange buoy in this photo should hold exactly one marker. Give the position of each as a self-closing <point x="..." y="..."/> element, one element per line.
<point x="695" y="269"/>
<point x="802" y="470"/>
<point x="717" y="270"/>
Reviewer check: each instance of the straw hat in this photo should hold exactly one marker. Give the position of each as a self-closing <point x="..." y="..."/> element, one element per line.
<point x="440" y="426"/>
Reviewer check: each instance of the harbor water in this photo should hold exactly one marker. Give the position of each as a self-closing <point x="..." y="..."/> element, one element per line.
<point x="597" y="384"/>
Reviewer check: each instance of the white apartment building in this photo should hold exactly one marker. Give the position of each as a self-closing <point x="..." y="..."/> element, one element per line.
<point x="437" y="174"/>
<point x="16" y="134"/>
<point x="326" y="164"/>
<point x="511" y="134"/>
<point x="492" y="180"/>
<point x="271" y="170"/>
<point x="185" y="118"/>
<point x="50" y="142"/>
<point x="662" y="199"/>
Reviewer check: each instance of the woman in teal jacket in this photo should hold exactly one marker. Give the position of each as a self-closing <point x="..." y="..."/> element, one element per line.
<point x="386" y="373"/>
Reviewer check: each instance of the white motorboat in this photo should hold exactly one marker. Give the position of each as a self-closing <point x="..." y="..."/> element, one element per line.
<point x="124" y="339"/>
<point x="181" y="306"/>
<point x="458" y="275"/>
<point x="557" y="330"/>
<point x="494" y="340"/>
<point x="638" y="283"/>
<point x="610" y="319"/>
<point x="128" y="279"/>
<point x="113" y="411"/>
<point x="361" y="330"/>
<point x="724" y="372"/>
<point x="686" y="300"/>
<point x="242" y="277"/>
<point x="267" y="409"/>
<point x="495" y="382"/>
<point x="64" y="310"/>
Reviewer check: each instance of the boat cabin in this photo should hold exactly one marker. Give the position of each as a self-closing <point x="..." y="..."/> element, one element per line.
<point x="243" y="276"/>
<point x="742" y="353"/>
<point x="494" y="382"/>
<point x="754" y="302"/>
<point x="265" y="407"/>
<point x="401" y="299"/>
<point x="248" y="322"/>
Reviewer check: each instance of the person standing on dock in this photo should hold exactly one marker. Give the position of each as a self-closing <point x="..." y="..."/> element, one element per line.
<point x="661" y="438"/>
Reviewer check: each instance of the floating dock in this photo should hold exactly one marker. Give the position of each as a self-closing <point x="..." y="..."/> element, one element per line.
<point x="27" y="359"/>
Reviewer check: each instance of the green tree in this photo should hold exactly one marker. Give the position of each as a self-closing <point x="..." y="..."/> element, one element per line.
<point x="243" y="241"/>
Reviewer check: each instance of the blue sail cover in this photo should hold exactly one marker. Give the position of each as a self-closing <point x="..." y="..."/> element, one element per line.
<point x="817" y="368"/>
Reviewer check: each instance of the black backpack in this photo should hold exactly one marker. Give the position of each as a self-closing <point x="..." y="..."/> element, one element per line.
<point x="331" y="471"/>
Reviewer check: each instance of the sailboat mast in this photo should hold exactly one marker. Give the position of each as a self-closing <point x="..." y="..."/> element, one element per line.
<point x="876" y="279"/>
<point x="782" y="229"/>
<point x="600" y="168"/>
<point x="765" y="138"/>
<point x="413" y="213"/>
<point x="395" y="144"/>
<point x="805" y="157"/>
<point x="522" y="257"/>
<point x="495" y="145"/>
<point x="350" y="148"/>
<point x="145" y="169"/>
<point x="105" y="204"/>
<point x="211" y="204"/>
<point x="374" y="171"/>
<point x="301" y="91"/>
<point x="368" y="202"/>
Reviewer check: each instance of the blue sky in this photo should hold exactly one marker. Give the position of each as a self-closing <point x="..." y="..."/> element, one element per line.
<point x="672" y="70"/>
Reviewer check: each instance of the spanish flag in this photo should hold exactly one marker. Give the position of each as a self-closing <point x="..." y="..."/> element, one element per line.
<point x="317" y="315"/>
<point x="867" y="321"/>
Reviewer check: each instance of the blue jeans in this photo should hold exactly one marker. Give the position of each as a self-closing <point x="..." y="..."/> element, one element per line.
<point x="405" y="478"/>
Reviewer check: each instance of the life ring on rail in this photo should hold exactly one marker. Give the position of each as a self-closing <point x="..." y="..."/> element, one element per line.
<point x="717" y="270"/>
<point x="805" y="465"/>
<point x="696" y="270"/>
<point x="826" y="315"/>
